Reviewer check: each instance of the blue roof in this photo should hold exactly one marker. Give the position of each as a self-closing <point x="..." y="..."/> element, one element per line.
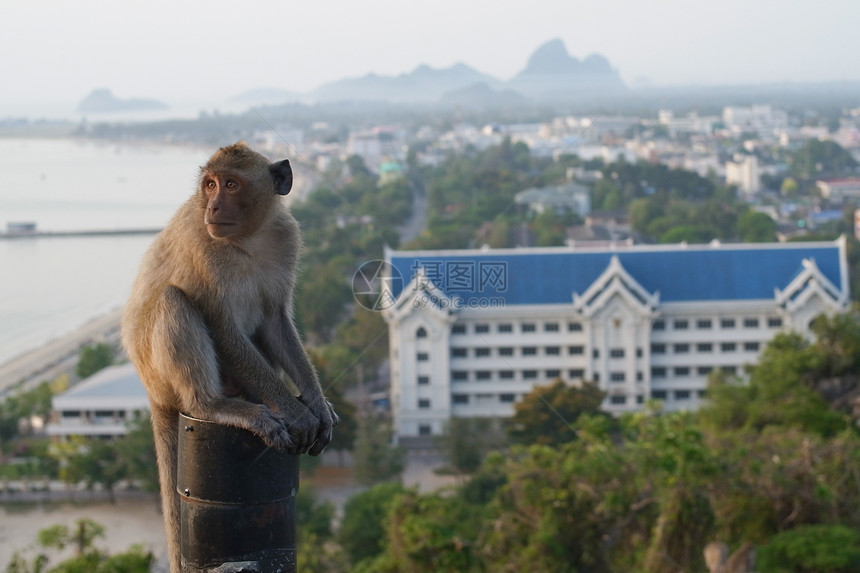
<point x="678" y="273"/>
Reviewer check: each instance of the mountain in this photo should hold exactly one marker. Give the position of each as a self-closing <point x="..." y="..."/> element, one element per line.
<point x="423" y="84"/>
<point x="103" y="101"/>
<point x="553" y="74"/>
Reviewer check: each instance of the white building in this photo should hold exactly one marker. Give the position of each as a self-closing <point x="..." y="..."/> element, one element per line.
<point x="472" y="331"/>
<point x="759" y="119"/>
<point x="101" y="405"/>
<point x="744" y="173"/>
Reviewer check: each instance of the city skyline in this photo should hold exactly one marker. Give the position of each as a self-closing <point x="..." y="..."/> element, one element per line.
<point x="192" y="52"/>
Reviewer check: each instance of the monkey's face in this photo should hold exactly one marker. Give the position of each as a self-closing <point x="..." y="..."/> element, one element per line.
<point x="228" y="199"/>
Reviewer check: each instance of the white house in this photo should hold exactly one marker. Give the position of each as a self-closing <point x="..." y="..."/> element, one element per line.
<point x="472" y="331"/>
<point x="101" y="405"/>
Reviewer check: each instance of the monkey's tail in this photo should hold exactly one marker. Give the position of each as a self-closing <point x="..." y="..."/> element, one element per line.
<point x="166" y="431"/>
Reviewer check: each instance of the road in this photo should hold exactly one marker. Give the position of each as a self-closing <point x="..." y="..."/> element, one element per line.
<point x="57" y="356"/>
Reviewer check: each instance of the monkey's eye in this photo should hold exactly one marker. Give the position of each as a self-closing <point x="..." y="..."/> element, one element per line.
<point x="210" y="184"/>
<point x="231" y="185"/>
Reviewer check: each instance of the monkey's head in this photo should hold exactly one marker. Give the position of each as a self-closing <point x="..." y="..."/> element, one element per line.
<point x="238" y="190"/>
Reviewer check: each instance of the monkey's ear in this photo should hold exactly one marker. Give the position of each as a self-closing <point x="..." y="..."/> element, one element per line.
<point x="282" y="173"/>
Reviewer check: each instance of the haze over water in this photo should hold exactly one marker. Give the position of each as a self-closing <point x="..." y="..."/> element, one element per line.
<point x="51" y="286"/>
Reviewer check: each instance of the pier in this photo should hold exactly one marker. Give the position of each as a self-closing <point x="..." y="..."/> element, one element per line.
<point x="90" y="233"/>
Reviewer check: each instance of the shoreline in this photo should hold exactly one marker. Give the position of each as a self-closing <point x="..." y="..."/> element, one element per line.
<point x="58" y="355"/>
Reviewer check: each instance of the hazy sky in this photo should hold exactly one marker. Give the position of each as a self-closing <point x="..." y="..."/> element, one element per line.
<point x="181" y="50"/>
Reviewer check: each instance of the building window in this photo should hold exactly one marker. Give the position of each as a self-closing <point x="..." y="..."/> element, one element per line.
<point x="703" y="370"/>
<point x="422" y="357"/>
<point x="421" y="333"/>
<point x="482" y="352"/>
<point x="639" y="376"/>
<point x="528" y="327"/>
<point x="529" y="350"/>
<point x="730" y="369"/>
<point x="460" y="398"/>
<point x="617" y="377"/>
<point x="750" y="323"/>
<point x="459" y="352"/>
<point x="680" y="324"/>
<point x="751" y="346"/>
<point x="422" y="380"/>
<point x="595" y="353"/>
<point x="703" y="323"/>
<point x="425" y="430"/>
<point x="658" y="372"/>
<point x="553" y="374"/>
<point x="506" y="351"/>
<point x="458" y="329"/>
<point x="638" y="353"/>
<point x="681" y="371"/>
<point x="682" y="394"/>
<point x="727" y="323"/>
<point x="574" y="327"/>
<point x="550" y="327"/>
<point x="459" y="375"/>
<point x="482" y="328"/>
<point x="506" y="374"/>
<point x="483" y="375"/>
<point x="507" y="398"/>
<point x="552" y="350"/>
<point x="618" y="400"/>
<point x="575" y="373"/>
<point x="658" y="348"/>
<point x="572" y="350"/>
<point x="774" y="322"/>
<point x="704" y="347"/>
<point x="506" y="327"/>
<point x="423" y="402"/>
<point x="530" y="374"/>
<point x="658" y="394"/>
<point x="728" y="346"/>
<point x="681" y="348"/>
<point x="616" y="353"/>
<point x="658" y="325"/>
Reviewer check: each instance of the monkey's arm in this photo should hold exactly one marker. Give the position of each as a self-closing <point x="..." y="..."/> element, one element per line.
<point x="283" y="345"/>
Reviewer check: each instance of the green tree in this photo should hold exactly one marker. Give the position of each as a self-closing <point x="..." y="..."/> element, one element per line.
<point x="821" y="159"/>
<point x="362" y="529"/>
<point x="546" y="414"/>
<point x="94" y="358"/>
<point x="812" y="549"/>
<point x="136" y="453"/>
<point x="96" y="462"/>
<point x="376" y="459"/>
<point x="87" y="558"/>
<point x="754" y="227"/>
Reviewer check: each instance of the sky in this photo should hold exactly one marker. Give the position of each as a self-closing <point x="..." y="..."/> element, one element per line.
<point x="177" y="51"/>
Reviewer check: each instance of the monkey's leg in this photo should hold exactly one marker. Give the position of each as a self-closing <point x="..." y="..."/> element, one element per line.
<point x="282" y="343"/>
<point x="185" y="357"/>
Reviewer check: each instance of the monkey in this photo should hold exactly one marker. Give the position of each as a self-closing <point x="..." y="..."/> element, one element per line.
<point x="208" y="323"/>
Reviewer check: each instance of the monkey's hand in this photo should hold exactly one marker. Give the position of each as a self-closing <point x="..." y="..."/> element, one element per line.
<point x="302" y="424"/>
<point x="271" y="428"/>
<point x="328" y="419"/>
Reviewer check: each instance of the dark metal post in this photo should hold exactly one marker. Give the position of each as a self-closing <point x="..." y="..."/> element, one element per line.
<point x="237" y="501"/>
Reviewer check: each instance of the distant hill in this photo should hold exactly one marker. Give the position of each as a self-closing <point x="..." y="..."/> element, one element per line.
<point x="103" y="101"/>
<point x="551" y="74"/>
<point x="424" y="84"/>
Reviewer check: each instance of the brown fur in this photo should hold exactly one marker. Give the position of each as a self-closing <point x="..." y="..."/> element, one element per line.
<point x="210" y="317"/>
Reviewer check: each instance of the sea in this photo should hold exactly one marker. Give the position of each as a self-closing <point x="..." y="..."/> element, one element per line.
<point x="50" y="286"/>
